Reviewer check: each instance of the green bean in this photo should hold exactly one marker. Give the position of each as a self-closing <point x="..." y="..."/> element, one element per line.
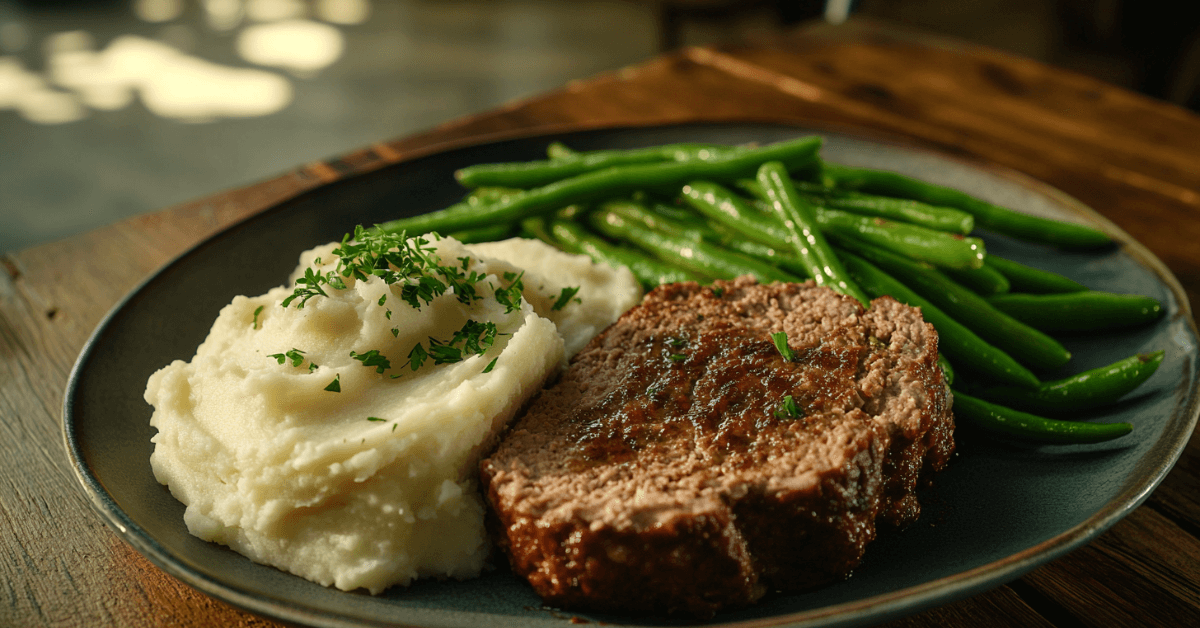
<point x="715" y="232"/>
<point x="783" y="258"/>
<point x="678" y="213"/>
<point x="607" y="183"/>
<point x="936" y="247"/>
<point x="678" y="152"/>
<point x="558" y="150"/>
<point x="668" y="210"/>
<point x="572" y="212"/>
<point x="490" y="194"/>
<point x="755" y="189"/>
<point x="696" y="255"/>
<point x="987" y="215"/>
<point x="752" y="188"/>
<point x="1024" y="278"/>
<point x="985" y="280"/>
<point x="946" y="219"/>
<point x="1079" y="311"/>
<point x="536" y="228"/>
<point x="963" y="346"/>
<point x="489" y="233"/>
<point x="905" y="210"/>
<point x="650" y="272"/>
<point x="1026" y="426"/>
<point x="697" y="229"/>
<point x="641" y="215"/>
<point x="810" y="245"/>
<point x="1089" y="389"/>
<point x="723" y="207"/>
<point x="528" y="174"/>
<point x="1024" y="343"/>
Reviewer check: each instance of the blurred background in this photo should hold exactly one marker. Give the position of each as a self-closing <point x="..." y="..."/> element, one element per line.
<point x="111" y="108"/>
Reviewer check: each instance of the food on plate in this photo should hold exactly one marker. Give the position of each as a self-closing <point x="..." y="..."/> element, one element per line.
<point x="1002" y="419"/>
<point x="332" y="427"/>
<point x="1024" y="343"/>
<point x="805" y="238"/>
<point x="693" y="212"/>
<point x="987" y="215"/>
<point x="610" y="181"/>
<point x="608" y="290"/>
<point x="719" y="442"/>
<point x="1094" y="388"/>
<point x="1079" y="311"/>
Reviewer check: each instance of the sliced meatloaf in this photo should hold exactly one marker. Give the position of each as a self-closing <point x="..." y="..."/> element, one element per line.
<point x="667" y="470"/>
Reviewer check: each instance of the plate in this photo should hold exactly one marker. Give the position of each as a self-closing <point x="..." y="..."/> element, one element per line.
<point x="999" y="510"/>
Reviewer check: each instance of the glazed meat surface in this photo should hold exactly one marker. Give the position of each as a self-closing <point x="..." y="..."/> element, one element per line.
<point x="666" y="470"/>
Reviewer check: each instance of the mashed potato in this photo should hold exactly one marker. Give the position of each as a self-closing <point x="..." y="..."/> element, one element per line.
<point x="549" y="271"/>
<point x="349" y="467"/>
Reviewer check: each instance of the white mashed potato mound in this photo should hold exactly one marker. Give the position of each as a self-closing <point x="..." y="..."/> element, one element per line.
<point x="606" y="292"/>
<point x="374" y="485"/>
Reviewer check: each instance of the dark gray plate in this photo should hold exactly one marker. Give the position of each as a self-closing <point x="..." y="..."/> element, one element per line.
<point x="998" y="511"/>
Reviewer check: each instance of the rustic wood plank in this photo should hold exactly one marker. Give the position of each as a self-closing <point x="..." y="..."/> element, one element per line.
<point x="998" y="608"/>
<point x="1178" y="497"/>
<point x="1004" y="103"/>
<point x="1129" y="576"/>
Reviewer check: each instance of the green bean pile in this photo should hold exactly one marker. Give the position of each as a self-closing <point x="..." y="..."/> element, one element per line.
<point x="697" y="212"/>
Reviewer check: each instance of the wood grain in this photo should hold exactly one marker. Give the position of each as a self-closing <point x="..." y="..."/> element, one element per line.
<point x="1130" y="576"/>
<point x="1131" y="158"/>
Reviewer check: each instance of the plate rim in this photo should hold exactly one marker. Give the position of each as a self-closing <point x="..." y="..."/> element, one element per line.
<point x="880" y="607"/>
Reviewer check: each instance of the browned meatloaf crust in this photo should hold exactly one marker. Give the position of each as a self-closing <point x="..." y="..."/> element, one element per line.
<point x="657" y="473"/>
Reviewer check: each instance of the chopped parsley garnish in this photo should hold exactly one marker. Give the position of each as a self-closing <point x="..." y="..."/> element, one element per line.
<point x="295" y="355"/>
<point x="780" y="340"/>
<point x="442" y="353"/>
<point x="375" y="418"/>
<point x="308" y="287"/>
<point x="336" y="384"/>
<point x="425" y="289"/>
<point x="415" y="266"/>
<point x="718" y="292"/>
<point x="677" y="357"/>
<point x="417" y="356"/>
<point x="395" y="259"/>
<point x="258" y="310"/>
<point x="373" y="358"/>
<point x="491" y="365"/>
<point x="788" y="409"/>
<point x="474" y="338"/>
<point x="676" y="342"/>
<point x="510" y="297"/>
<point x="566" y="296"/>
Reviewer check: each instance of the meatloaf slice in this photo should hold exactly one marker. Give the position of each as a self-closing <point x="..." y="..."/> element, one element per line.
<point x="665" y="470"/>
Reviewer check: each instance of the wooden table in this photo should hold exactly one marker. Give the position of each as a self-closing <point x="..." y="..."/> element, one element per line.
<point x="1133" y="159"/>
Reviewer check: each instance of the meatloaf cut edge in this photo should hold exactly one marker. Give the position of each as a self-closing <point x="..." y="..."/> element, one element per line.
<point x="666" y="470"/>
